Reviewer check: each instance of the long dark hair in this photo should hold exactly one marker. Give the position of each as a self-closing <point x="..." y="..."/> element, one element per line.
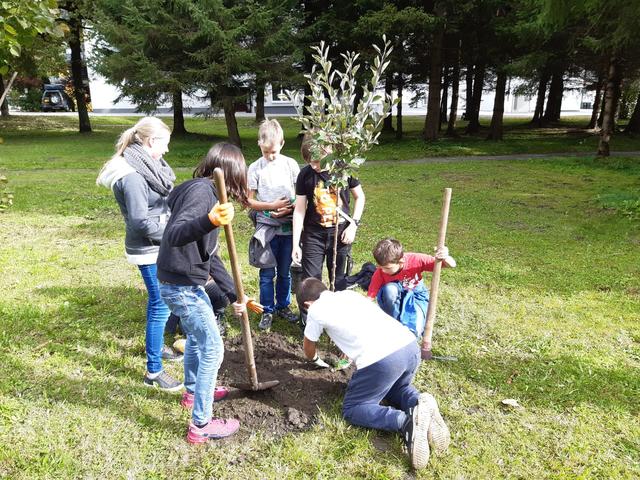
<point x="229" y="158"/>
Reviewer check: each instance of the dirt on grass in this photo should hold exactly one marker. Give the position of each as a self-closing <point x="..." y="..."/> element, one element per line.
<point x="290" y="406"/>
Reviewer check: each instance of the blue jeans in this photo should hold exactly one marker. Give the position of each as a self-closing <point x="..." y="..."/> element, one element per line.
<point x="388" y="379"/>
<point x="157" y="315"/>
<point x="409" y="307"/>
<point x="204" y="350"/>
<point x="281" y="246"/>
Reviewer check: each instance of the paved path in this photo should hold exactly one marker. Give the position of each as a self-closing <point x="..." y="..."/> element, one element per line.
<point x="515" y="156"/>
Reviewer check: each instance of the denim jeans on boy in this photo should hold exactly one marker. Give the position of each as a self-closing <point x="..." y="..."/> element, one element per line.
<point x="409" y="307"/>
<point x="388" y="379"/>
<point x="204" y="349"/>
<point x="281" y="246"/>
<point x="157" y="315"/>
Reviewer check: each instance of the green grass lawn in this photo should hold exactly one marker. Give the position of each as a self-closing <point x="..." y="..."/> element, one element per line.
<point x="51" y="140"/>
<point x="543" y="308"/>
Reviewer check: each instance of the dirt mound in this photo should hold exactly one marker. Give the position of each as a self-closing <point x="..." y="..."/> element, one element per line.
<point x="293" y="404"/>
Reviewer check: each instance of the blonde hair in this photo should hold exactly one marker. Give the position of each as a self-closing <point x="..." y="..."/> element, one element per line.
<point x="144" y="129"/>
<point x="270" y="133"/>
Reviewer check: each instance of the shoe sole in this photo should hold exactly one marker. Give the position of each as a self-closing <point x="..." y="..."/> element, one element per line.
<point x="197" y="439"/>
<point x="169" y="390"/>
<point x="420" y="442"/>
<point x="438" y="434"/>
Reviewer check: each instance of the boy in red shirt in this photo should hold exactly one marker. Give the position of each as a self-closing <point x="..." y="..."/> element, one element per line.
<point x="397" y="283"/>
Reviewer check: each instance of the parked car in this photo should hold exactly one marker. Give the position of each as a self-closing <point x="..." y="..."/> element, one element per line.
<point x="55" y="99"/>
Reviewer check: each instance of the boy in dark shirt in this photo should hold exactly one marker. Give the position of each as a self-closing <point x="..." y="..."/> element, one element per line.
<point x="314" y="219"/>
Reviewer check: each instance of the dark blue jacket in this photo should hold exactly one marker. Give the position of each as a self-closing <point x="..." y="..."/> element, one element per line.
<point x="190" y="239"/>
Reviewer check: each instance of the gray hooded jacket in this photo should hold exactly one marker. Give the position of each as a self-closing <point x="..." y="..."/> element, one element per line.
<point x="145" y="211"/>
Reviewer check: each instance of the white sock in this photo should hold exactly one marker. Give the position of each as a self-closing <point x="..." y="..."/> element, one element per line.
<point x="153" y="375"/>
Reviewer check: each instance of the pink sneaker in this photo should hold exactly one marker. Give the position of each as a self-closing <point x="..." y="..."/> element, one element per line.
<point x="216" y="428"/>
<point x="220" y="393"/>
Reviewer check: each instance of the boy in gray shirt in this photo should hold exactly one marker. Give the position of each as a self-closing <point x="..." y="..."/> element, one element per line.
<point x="271" y="180"/>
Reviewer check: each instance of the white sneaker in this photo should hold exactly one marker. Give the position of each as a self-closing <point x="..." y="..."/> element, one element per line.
<point x="438" y="432"/>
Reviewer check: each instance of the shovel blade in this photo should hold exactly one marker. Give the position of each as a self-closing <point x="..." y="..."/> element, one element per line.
<point x="257" y="387"/>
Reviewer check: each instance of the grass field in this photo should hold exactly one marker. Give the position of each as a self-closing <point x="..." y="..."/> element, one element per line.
<point x="544" y="308"/>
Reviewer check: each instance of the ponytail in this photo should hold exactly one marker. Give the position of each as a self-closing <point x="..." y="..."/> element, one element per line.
<point x="127" y="137"/>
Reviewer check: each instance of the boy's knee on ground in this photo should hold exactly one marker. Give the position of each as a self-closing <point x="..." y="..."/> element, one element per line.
<point x="390" y="291"/>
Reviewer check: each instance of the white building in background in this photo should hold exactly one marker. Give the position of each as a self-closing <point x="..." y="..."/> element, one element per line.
<point x="576" y="100"/>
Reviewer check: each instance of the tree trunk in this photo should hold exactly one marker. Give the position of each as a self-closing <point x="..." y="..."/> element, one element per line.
<point x="554" y="102"/>
<point x="387" y="123"/>
<point x="306" y="103"/>
<point x="468" y="93"/>
<point x="611" y="97"/>
<point x="260" y="84"/>
<point x="634" y="122"/>
<point x="444" y="102"/>
<point x="400" y="86"/>
<point x="474" y="112"/>
<point x="601" y="113"/>
<point x="230" y="119"/>
<point x="542" y="91"/>
<point x="495" y="132"/>
<point x="75" y="45"/>
<point x="455" y="85"/>
<point x="178" y="114"/>
<point x="596" y="105"/>
<point x="4" y="108"/>
<point x="432" y="120"/>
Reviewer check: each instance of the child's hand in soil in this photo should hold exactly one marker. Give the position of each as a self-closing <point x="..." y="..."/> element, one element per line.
<point x="318" y="362"/>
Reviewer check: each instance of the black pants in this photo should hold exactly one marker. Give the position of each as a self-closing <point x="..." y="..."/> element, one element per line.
<point x="218" y="300"/>
<point x="317" y="248"/>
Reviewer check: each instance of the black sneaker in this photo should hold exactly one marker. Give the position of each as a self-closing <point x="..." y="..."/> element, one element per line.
<point x="164" y="382"/>
<point x="415" y="434"/>
<point x="265" y="321"/>
<point x="171" y="355"/>
<point x="287" y="314"/>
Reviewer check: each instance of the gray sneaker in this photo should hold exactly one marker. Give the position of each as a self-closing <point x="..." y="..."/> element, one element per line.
<point x="287" y="314"/>
<point x="171" y="355"/>
<point x="164" y="382"/>
<point x="265" y="321"/>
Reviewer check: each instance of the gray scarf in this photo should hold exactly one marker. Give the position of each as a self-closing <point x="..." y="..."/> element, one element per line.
<point x="157" y="173"/>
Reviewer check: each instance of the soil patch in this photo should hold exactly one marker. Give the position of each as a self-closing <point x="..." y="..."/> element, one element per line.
<point x="290" y="406"/>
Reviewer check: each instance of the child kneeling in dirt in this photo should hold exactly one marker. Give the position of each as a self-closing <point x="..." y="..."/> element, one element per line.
<point x="386" y="357"/>
<point x="397" y="282"/>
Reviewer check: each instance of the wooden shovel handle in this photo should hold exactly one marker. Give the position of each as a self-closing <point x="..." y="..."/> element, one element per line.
<point x="435" y="279"/>
<point x="237" y="280"/>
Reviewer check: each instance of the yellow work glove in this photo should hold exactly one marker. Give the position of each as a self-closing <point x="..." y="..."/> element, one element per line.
<point x="254" y="306"/>
<point x="221" y="214"/>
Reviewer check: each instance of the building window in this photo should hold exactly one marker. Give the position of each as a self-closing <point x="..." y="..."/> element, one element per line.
<point x="277" y="89"/>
